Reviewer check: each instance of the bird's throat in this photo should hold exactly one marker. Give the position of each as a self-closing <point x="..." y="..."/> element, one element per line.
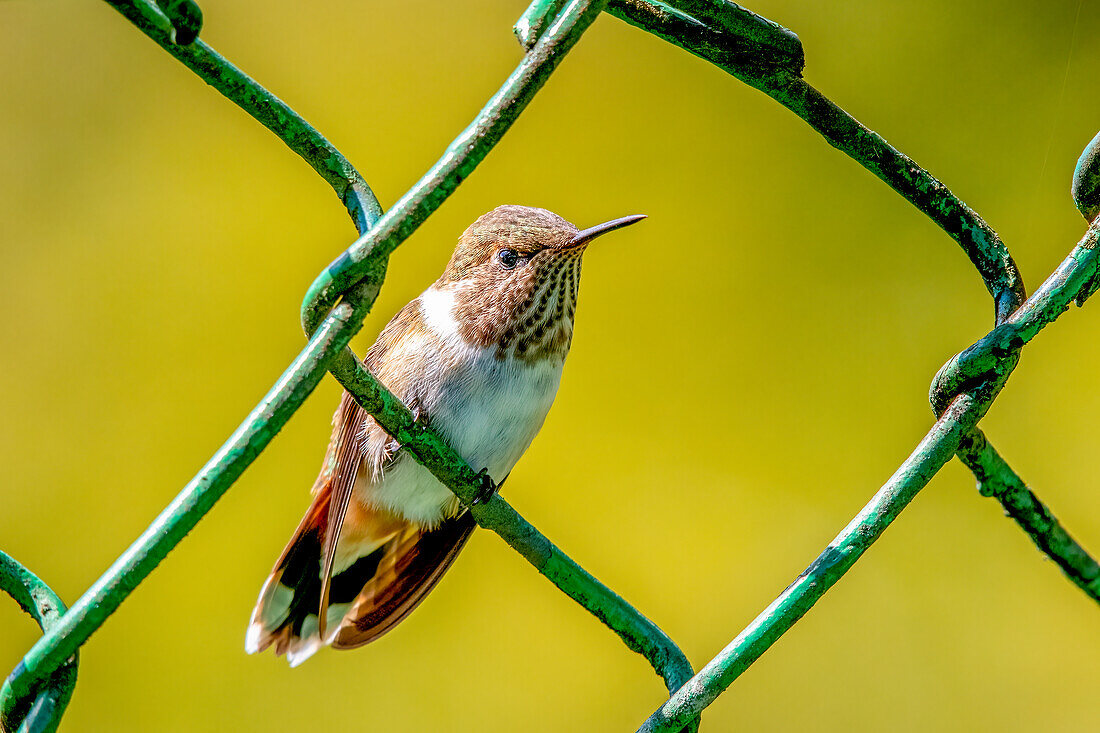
<point x="530" y="322"/>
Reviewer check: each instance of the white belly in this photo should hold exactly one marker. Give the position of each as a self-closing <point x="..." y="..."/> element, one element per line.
<point x="487" y="409"/>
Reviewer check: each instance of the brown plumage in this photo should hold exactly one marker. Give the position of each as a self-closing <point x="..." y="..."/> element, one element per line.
<point x="480" y="355"/>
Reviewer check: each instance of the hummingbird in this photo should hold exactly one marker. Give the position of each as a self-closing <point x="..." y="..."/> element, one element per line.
<point x="479" y="356"/>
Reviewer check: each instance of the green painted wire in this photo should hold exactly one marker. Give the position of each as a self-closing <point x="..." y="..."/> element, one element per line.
<point x="263" y="106"/>
<point x="997" y="479"/>
<point x="43" y="713"/>
<point x="535" y="20"/>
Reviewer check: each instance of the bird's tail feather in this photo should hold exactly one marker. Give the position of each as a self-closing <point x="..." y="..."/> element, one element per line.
<point x="377" y="583"/>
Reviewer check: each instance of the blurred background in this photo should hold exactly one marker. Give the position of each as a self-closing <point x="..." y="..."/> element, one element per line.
<point x="749" y="366"/>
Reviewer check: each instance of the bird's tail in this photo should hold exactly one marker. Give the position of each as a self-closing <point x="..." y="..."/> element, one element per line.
<point x="384" y="567"/>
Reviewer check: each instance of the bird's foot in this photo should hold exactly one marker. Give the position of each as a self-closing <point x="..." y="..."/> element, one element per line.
<point x="487" y="489"/>
<point x="420" y="416"/>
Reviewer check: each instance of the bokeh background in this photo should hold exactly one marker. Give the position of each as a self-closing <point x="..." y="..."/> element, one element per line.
<point x="750" y="364"/>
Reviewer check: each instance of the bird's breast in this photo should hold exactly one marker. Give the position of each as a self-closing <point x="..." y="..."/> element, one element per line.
<point x="490" y="409"/>
<point x="487" y="408"/>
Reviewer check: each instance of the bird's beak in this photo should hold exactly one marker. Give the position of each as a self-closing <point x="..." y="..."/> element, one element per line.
<point x="585" y="236"/>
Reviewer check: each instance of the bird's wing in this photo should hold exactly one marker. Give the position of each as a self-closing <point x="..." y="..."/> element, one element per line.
<point x="343" y="461"/>
<point x="357" y="438"/>
<point x="415" y="558"/>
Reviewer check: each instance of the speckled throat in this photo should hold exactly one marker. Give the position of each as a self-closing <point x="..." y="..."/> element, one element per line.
<point x="543" y="327"/>
<point x="531" y="321"/>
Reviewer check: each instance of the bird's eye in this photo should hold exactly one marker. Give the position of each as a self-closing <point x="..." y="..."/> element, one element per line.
<point x="508" y="258"/>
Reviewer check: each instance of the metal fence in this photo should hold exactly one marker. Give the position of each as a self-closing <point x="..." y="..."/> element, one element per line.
<point x="756" y="51"/>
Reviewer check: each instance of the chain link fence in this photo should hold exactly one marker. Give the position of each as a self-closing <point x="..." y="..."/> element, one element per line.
<point x="759" y="53"/>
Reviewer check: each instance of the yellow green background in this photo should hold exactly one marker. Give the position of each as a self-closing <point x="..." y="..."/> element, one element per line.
<point x="749" y="365"/>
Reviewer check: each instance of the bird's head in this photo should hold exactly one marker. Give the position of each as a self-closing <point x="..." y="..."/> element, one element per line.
<point x="514" y="276"/>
